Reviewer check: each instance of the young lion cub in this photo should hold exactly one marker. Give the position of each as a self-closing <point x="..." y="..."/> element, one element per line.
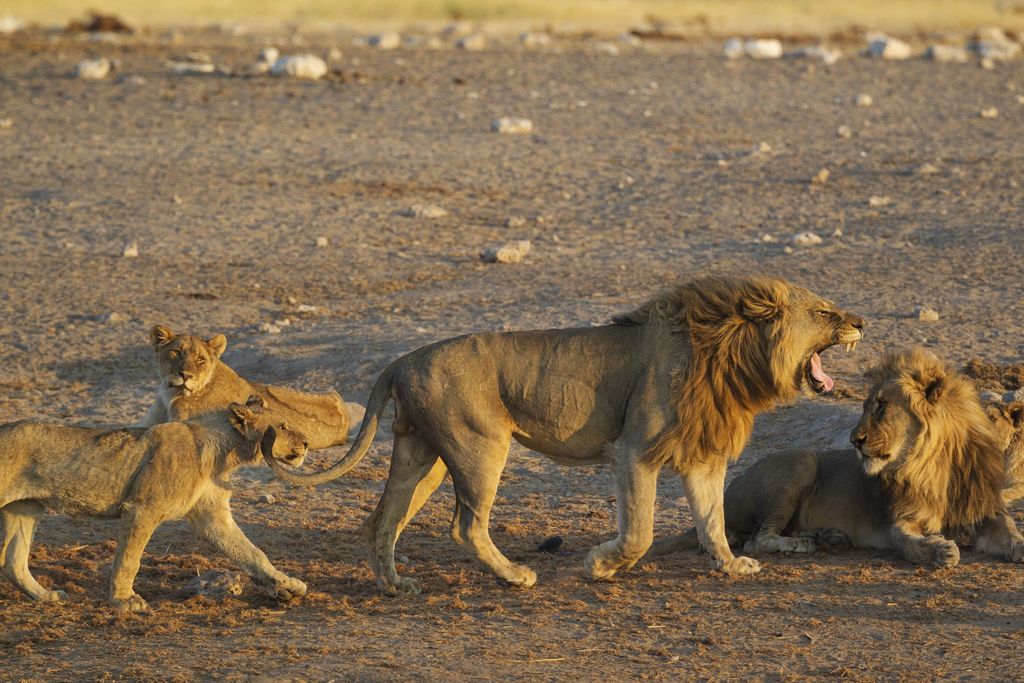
<point x="145" y="477"/>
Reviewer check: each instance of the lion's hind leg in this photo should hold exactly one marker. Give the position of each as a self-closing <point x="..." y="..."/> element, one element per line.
<point x="415" y="473"/>
<point x="476" y="464"/>
<point x="777" y="486"/>
<point x="19" y="524"/>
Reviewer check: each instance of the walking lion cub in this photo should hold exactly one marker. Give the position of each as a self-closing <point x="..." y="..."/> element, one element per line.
<point x="145" y="477"/>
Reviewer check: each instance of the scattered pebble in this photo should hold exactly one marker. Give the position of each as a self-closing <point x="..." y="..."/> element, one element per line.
<point x="926" y="314"/>
<point x="535" y="39"/>
<point x="947" y="54"/>
<point x="761" y="148"/>
<point x="877" y="201"/>
<point x="1020" y="100"/>
<point x="826" y="55"/>
<point x="131" y="250"/>
<point x="987" y="63"/>
<point x="191" y="67"/>
<point x="994" y="45"/>
<point x="989" y="113"/>
<point x="10" y="24"/>
<point x="425" y="211"/>
<point x="269" y="328"/>
<point x="767" y="237"/>
<point x="515" y="222"/>
<point x="511" y="252"/>
<point x="269" y="55"/>
<point x="926" y="169"/>
<point x="863" y="100"/>
<point x="93" y="69"/>
<point x="821" y="177"/>
<point x="6" y="123"/>
<point x="283" y="322"/>
<point x="550" y="545"/>
<point x="838" y="232"/>
<point x="305" y="308"/>
<point x="388" y="40"/>
<point x="787" y="250"/>
<point x="844" y="132"/>
<point x="755" y="48"/>
<point x="267" y="499"/>
<point x="334" y="55"/>
<point x="116" y="317"/>
<point x="806" y="239"/>
<point x="216" y="584"/>
<point x="606" y="48"/>
<point x="511" y="124"/>
<point x="473" y="42"/>
<point x="300" y="66"/>
<point x="887" y="47"/>
<point x="320" y="241"/>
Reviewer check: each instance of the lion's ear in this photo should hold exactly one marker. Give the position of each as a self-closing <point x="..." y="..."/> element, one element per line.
<point x="760" y="309"/>
<point x="160" y="335"/>
<point x="934" y="386"/>
<point x="217" y="344"/>
<point x="255" y="402"/>
<point x="241" y="417"/>
<point x="995" y="412"/>
<point x="1016" y="411"/>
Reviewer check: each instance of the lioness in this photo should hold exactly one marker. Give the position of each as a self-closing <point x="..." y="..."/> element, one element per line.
<point x="926" y="462"/>
<point x="194" y="380"/>
<point x="1009" y="421"/>
<point x="677" y="381"/>
<point x="145" y="477"/>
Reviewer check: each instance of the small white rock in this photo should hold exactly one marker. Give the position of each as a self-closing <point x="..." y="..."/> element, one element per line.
<point x="269" y="328"/>
<point x="767" y="237"/>
<point x="10" y="24"/>
<point x="887" y="47"/>
<point x="305" y="308"/>
<point x="947" y="54"/>
<point x="425" y="211"/>
<point x="388" y="40"/>
<point x="606" y="48"/>
<point x="926" y="169"/>
<point x="821" y="177"/>
<point x="6" y="123"/>
<point x="511" y="124"/>
<point x="763" y="48"/>
<point x="535" y="39"/>
<point x="473" y="42"/>
<point x="863" y="99"/>
<point x="93" y="69"/>
<point x="989" y="113"/>
<point x="838" y="232"/>
<point x="283" y="322"/>
<point x="300" y="66"/>
<point x="269" y="55"/>
<point x="844" y="132"/>
<point x="806" y="239"/>
<point x="116" y="317"/>
<point x="926" y="314"/>
<point x="334" y="55"/>
<point x="191" y="67"/>
<point x="515" y="222"/>
<point x="267" y="499"/>
<point x="787" y="250"/>
<point x="130" y="250"/>
<point x="512" y="252"/>
<point x="994" y="45"/>
<point x="826" y="55"/>
<point x="877" y="201"/>
<point x="321" y="241"/>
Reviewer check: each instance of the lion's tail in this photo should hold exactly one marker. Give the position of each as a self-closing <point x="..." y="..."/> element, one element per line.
<point x="672" y="544"/>
<point x="379" y="397"/>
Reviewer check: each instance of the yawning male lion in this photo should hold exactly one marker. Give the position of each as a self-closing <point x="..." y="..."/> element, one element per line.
<point x="677" y="381"/>
<point x="927" y="463"/>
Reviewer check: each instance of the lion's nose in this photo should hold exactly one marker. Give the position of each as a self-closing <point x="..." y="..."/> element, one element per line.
<point x="857" y="440"/>
<point x="856" y="321"/>
<point x="186" y="375"/>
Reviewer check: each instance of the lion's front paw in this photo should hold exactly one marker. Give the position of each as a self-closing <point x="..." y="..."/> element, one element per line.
<point x="1016" y="552"/>
<point x="946" y="553"/>
<point x="133" y="603"/>
<point x="738" y="566"/>
<point x="55" y="596"/>
<point x="598" y="567"/>
<point x="287" y="588"/>
<point x="400" y="586"/>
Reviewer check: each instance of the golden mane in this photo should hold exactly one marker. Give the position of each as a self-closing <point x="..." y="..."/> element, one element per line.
<point x="741" y="362"/>
<point x="954" y="475"/>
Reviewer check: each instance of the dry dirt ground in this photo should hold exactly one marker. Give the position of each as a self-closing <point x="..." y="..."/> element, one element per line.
<point x="640" y="171"/>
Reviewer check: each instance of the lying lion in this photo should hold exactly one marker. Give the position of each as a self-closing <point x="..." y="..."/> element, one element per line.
<point x="194" y="380"/>
<point x="1009" y="421"/>
<point x="927" y="463"/>
<point x="145" y="477"/>
<point x="677" y="381"/>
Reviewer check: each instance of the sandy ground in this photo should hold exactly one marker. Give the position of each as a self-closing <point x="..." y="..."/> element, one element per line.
<point x="640" y="172"/>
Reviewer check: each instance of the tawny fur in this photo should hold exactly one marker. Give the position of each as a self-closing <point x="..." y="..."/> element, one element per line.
<point x="930" y="465"/>
<point x="194" y="380"/>
<point x="1009" y="422"/>
<point x="678" y="380"/>
<point x="144" y="477"/>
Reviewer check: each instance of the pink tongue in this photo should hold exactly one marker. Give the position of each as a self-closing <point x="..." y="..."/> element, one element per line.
<point x="819" y="374"/>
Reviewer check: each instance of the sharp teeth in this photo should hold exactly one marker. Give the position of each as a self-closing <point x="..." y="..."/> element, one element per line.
<point x="853" y="347"/>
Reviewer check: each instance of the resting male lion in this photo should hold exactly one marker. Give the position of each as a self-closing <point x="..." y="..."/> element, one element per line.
<point x="1008" y="419"/>
<point x="145" y="477"/>
<point x="677" y="381"/>
<point x="194" y="380"/>
<point x="927" y="462"/>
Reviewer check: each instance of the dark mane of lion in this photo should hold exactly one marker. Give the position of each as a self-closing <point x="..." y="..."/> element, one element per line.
<point x="953" y="479"/>
<point x="736" y="330"/>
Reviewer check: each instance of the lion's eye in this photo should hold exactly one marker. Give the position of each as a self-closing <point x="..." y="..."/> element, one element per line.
<point x="823" y="313"/>
<point x="879" y="407"/>
<point x="284" y="426"/>
<point x="200" y="360"/>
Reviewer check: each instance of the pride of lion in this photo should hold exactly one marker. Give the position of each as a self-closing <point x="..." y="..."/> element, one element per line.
<point x="677" y="381"/>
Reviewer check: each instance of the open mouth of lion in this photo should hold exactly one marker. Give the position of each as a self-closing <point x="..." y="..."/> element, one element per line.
<point x="814" y="373"/>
